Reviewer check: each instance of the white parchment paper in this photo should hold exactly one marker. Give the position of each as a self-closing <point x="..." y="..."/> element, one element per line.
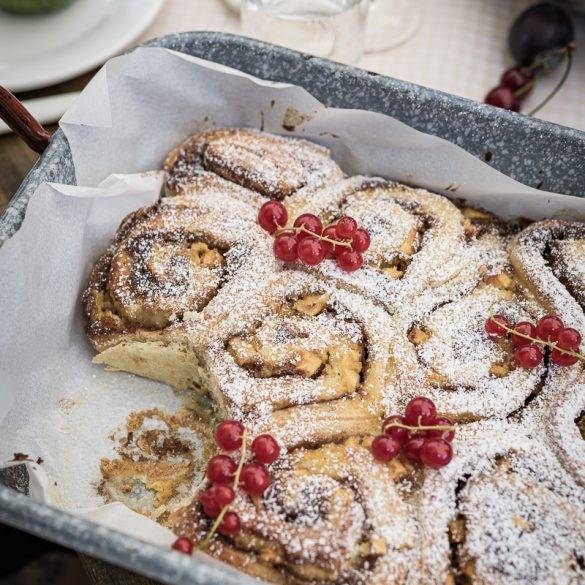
<point x="56" y="405"/>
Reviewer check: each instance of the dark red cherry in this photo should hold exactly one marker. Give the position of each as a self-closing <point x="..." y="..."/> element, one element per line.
<point x="539" y="29"/>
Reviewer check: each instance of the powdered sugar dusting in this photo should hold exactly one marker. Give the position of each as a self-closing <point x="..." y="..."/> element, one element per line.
<point x="317" y="357"/>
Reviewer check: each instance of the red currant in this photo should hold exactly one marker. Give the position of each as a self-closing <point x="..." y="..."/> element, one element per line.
<point x="420" y="411"/>
<point x="503" y="97"/>
<point x="549" y="327"/>
<point x="221" y="469"/>
<point x="350" y="260"/>
<point x="346" y="227"/>
<point x="228" y="435"/>
<point x="310" y="222"/>
<point x="223" y="494"/>
<point x="528" y="356"/>
<point x="183" y="545"/>
<point x="331" y="249"/>
<point x="272" y="216"/>
<point x="211" y="507"/>
<point x="311" y="251"/>
<point x="492" y="326"/>
<point x="525" y="328"/>
<point x="569" y="338"/>
<point x="563" y="359"/>
<point x="230" y="524"/>
<point x="265" y="448"/>
<point x="255" y="479"/>
<point x="385" y="447"/>
<point x="285" y="247"/>
<point x="396" y="432"/>
<point x="411" y="448"/>
<point x="436" y="453"/>
<point x="447" y="435"/>
<point x="360" y="241"/>
<point x="517" y="78"/>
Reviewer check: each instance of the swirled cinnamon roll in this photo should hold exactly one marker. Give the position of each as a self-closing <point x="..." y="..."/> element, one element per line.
<point x="447" y="356"/>
<point x="254" y="163"/>
<point x="303" y="358"/>
<point x="325" y="519"/>
<point x="165" y="265"/>
<point x="549" y="260"/>
<point x="420" y="242"/>
<point x="503" y="511"/>
<point x="558" y="412"/>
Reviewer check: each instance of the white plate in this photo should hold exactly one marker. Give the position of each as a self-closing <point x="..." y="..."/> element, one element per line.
<point x="41" y="50"/>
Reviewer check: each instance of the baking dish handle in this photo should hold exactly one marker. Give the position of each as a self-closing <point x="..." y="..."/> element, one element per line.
<point x="21" y="122"/>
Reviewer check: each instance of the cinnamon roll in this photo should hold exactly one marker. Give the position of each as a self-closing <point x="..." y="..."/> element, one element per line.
<point x="257" y="164"/>
<point x="325" y="519"/>
<point x="549" y="259"/>
<point x="503" y="511"/>
<point x="302" y="358"/>
<point x="164" y="266"/>
<point x="558" y="412"/>
<point x="420" y="242"/>
<point x="447" y="356"/>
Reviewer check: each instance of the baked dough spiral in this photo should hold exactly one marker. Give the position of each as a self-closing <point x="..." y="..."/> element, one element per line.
<point x="265" y="164"/>
<point x="503" y="511"/>
<point x="165" y="264"/>
<point x="189" y="292"/>
<point x="298" y="356"/>
<point x="548" y="259"/>
<point x="323" y="520"/>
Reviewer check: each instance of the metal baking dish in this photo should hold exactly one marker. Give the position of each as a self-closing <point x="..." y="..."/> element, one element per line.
<point x="536" y="153"/>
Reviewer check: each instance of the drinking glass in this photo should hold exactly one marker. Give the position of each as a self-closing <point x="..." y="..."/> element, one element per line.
<point x="391" y="23"/>
<point x="327" y="28"/>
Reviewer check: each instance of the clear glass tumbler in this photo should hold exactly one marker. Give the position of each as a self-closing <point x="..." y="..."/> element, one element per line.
<point x="327" y="28"/>
<point x="391" y="23"/>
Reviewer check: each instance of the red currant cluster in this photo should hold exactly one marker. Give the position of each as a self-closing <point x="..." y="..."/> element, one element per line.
<point x="549" y="332"/>
<point x="422" y="435"/>
<point x="252" y="477"/>
<point x="310" y="242"/>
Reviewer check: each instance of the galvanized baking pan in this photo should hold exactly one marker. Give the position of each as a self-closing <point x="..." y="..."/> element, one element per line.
<point x="536" y="153"/>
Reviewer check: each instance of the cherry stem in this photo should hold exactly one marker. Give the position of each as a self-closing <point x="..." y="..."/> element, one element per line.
<point x="302" y="228"/>
<point x="524" y="89"/>
<point x="219" y="519"/>
<point x="568" y="55"/>
<point x="550" y="344"/>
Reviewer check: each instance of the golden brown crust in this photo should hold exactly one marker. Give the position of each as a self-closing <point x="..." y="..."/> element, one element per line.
<point x="327" y="497"/>
<point x="318" y="357"/>
<point x="270" y="165"/>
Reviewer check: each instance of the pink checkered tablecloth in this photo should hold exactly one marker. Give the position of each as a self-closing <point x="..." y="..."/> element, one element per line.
<point x="460" y="47"/>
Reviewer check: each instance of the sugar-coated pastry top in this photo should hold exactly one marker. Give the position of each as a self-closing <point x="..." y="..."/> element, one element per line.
<point x="190" y="292"/>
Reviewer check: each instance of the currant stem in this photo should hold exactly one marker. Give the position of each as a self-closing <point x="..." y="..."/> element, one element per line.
<point x="550" y="344"/>
<point x="302" y="228"/>
<point x="420" y="427"/>
<point x="568" y="50"/>
<point x="219" y="519"/>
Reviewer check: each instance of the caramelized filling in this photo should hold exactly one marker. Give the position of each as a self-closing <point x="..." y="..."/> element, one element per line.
<point x="304" y="339"/>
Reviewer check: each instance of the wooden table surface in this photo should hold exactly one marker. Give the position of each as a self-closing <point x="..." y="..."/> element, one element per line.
<point x="16" y="159"/>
